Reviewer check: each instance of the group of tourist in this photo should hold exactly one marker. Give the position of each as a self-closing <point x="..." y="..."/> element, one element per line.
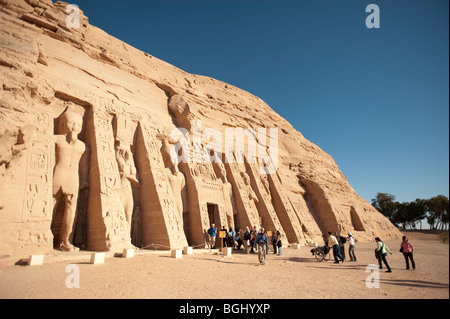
<point x="405" y="247"/>
<point x="337" y="244"/>
<point x="252" y="240"/>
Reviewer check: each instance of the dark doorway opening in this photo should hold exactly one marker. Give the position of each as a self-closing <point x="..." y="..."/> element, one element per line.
<point x="214" y="218"/>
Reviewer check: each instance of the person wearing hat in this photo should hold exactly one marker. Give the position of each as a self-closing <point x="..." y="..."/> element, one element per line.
<point x="351" y="249"/>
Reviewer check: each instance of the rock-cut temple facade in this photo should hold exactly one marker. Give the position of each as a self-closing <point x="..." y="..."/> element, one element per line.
<point x="105" y="147"/>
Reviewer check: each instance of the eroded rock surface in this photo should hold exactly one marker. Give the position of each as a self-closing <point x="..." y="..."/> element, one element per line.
<point x="129" y="103"/>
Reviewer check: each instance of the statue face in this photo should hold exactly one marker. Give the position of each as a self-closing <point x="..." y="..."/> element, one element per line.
<point x="124" y="153"/>
<point x="72" y="123"/>
<point x="246" y="178"/>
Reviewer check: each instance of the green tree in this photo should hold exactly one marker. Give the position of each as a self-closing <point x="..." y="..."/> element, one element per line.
<point x="384" y="203"/>
<point x="438" y="208"/>
<point x="405" y="214"/>
<point x="414" y="212"/>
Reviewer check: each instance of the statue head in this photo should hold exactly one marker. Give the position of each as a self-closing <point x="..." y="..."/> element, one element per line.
<point x="246" y="178"/>
<point x="71" y="122"/>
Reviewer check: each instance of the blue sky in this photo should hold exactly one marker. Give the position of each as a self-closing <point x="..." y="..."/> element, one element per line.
<point x="376" y="100"/>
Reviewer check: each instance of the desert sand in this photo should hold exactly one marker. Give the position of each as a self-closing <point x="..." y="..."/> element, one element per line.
<point x="209" y="275"/>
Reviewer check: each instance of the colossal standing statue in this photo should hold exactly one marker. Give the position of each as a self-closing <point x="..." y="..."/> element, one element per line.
<point x="71" y="167"/>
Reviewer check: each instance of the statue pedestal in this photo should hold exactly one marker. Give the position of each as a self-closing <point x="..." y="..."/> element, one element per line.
<point x="36" y="260"/>
<point x="97" y="258"/>
<point x="187" y="250"/>
<point x="128" y="253"/>
<point x="177" y="253"/>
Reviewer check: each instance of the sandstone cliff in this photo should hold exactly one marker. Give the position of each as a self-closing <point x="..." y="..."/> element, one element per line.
<point x="128" y="103"/>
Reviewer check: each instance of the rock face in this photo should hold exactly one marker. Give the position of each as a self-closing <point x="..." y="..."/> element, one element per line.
<point x="88" y="145"/>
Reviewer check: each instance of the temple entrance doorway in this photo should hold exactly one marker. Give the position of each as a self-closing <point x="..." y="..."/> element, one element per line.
<point x="214" y="218"/>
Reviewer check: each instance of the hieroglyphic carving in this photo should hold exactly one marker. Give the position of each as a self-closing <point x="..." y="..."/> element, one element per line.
<point x="204" y="216"/>
<point x="267" y="211"/>
<point x="164" y="193"/>
<point x="113" y="215"/>
<point x="37" y="203"/>
<point x="229" y="203"/>
<point x="109" y="173"/>
<point x="124" y="135"/>
<point x="250" y="198"/>
<point x="116" y="227"/>
<point x="177" y="180"/>
<point x="244" y="195"/>
<point x="297" y="234"/>
<point x="38" y="189"/>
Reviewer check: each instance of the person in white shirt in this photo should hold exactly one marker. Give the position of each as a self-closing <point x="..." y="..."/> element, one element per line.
<point x="333" y="243"/>
<point x="351" y="249"/>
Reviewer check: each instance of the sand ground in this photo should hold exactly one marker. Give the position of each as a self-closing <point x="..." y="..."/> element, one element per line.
<point x="205" y="275"/>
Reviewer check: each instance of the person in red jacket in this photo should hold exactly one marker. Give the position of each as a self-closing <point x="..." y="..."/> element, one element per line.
<point x="407" y="249"/>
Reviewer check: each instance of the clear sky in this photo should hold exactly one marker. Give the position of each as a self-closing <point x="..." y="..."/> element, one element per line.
<point x="376" y="100"/>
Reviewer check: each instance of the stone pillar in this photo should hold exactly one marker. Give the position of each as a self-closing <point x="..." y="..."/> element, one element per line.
<point x="162" y="223"/>
<point x="107" y="225"/>
<point x="34" y="227"/>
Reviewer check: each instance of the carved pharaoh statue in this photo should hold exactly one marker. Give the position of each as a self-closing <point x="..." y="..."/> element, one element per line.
<point x="70" y="174"/>
<point x="176" y="178"/>
<point x="228" y="196"/>
<point x="250" y="193"/>
<point x="128" y="179"/>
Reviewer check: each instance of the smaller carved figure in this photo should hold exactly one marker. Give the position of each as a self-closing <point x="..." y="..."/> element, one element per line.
<point x="176" y="178"/>
<point x="128" y="179"/>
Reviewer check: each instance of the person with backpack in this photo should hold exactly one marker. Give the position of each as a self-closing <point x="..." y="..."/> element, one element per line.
<point x="341" y="240"/>
<point x="262" y="241"/>
<point x="246" y="239"/>
<point x="212" y="236"/>
<point x="381" y="252"/>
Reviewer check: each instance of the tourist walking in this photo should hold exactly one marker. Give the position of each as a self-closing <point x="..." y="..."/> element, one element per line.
<point x="279" y="243"/>
<point x="252" y="241"/>
<point x="274" y="241"/>
<point x="255" y="233"/>
<point x="212" y="236"/>
<point x="351" y="248"/>
<point x="246" y="240"/>
<point x="407" y="249"/>
<point x="341" y="240"/>
<point x="262" y="241"/>
<point x="381" y="252"/>
<point x="333" y="243"/>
